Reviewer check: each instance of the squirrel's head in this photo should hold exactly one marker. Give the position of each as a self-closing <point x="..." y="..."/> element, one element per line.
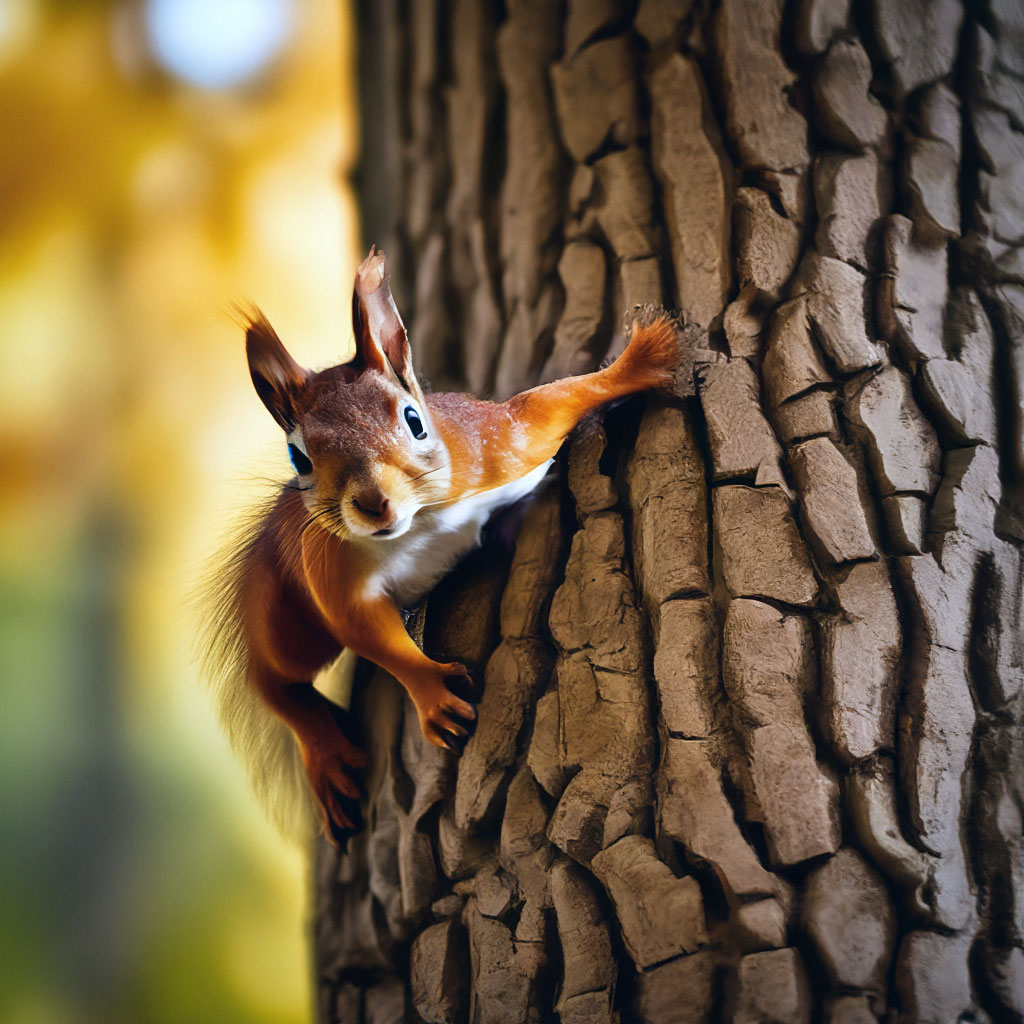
<point x="360" y="439"/>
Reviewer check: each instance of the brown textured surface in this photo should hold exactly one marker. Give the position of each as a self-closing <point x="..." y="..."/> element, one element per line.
<point x="750" y="748"/>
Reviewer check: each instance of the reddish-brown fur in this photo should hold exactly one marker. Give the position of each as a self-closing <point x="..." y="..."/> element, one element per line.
<point x="303" y="591"/>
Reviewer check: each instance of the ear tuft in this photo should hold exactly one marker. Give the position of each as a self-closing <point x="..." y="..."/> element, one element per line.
<point x="381" y="339"/>
<point x="277" y="377"/>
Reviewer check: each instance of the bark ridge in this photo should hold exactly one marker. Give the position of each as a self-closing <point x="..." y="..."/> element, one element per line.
<point x="751" y="745"/>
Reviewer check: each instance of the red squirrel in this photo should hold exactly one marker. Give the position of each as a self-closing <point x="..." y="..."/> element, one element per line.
<point x="391" y="488"/>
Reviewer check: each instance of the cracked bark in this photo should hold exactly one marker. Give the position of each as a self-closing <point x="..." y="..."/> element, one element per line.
<point x="752" y="744"/>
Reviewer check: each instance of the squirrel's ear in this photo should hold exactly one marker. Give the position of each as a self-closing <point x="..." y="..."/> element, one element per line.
<point x="276" y="376"/>
<point x="381" y="341"/>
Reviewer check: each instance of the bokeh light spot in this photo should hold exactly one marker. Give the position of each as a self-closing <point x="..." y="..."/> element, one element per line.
<point x="217" y="44"/>
<point x="18" y="22"/>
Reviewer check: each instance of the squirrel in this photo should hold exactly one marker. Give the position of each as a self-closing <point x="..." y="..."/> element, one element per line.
<point x="392" y="486"/>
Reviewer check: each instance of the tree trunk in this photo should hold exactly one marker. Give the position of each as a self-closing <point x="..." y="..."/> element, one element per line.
<point x="750" y="746"/>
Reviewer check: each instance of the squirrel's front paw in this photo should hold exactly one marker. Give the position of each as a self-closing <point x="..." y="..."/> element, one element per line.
<point x="447" y="716"/>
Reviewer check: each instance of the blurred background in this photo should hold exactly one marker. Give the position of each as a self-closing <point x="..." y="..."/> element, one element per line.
<point x="161" y="159"/>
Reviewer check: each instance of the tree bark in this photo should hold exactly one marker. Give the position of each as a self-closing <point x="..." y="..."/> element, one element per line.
<point x="750" y="746"/>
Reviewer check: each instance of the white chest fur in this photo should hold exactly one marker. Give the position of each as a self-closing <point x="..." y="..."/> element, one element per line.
<point x="408" y="566"/>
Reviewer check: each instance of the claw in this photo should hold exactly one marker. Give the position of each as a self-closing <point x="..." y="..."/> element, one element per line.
<point x="467" y="726"/>
<point x="463" y="687"/>
<point x="446" y="708"/>
<point x="339" y="835"/>
<point x="354" y="814"/>
<point x="453" y="725"/>
<point x="458" y="707"/>
<point x="338" y="790"/>
<point x="344" y="818"/>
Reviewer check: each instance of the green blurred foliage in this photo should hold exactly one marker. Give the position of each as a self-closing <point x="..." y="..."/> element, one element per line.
<point x="138" y="882"/>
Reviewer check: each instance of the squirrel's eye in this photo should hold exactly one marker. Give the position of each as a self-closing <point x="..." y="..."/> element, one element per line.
<point x="412" y="417"/>
<point x="300" y="461"/>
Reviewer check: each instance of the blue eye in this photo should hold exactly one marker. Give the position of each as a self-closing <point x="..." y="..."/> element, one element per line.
<point x="301" y="463"/>
<point x="412" y="417"/>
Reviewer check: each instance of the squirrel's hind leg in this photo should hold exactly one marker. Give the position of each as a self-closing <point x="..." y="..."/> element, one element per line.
<point x="327" y="739"/>
<point x="550" y="411"/>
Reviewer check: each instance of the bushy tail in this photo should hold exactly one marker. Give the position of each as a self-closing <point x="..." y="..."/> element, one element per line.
<point x="264" y="744"/>
<point x="271" y="757"/>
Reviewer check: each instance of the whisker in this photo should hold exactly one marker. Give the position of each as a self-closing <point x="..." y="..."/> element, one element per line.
<point x="428" y="472"/>
<point x="271" y="480"/>
<point x="337" y="521"/>
<point x="313" y="518"/>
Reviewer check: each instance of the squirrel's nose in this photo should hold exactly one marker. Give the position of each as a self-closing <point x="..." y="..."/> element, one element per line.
<point x="374" y="505"/>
